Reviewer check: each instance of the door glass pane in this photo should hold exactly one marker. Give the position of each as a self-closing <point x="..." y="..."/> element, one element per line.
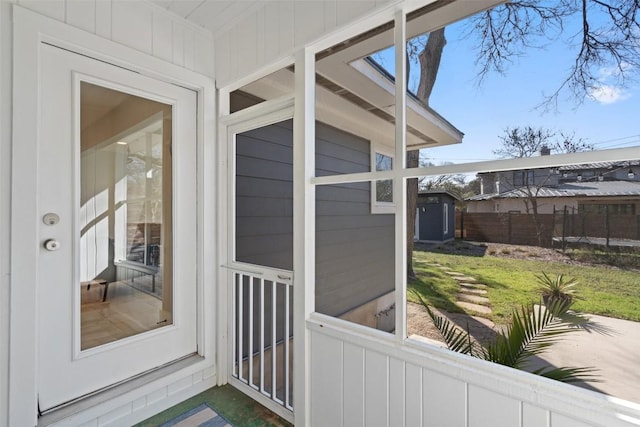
<point x="125" y="215"/>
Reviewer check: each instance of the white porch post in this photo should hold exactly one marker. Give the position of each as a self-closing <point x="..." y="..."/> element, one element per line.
<point x="399" y="187"/>
<point x="223" y="191"/>
<point x="303" y="229"/>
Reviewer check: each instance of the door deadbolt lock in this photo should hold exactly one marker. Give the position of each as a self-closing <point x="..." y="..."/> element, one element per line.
<point x="50" y="219"/>
<point x="51" y="245"/>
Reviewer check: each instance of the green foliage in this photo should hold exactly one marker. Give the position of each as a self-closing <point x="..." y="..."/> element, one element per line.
<point x="557" y="291"/>
<point x="532" y="331"/>
<point x="556" y="287"/>
<point x="512" y="283"/>
<point x="433" y="285"/>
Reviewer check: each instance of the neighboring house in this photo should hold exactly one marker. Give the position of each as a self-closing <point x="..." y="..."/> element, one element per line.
<point x="435" y="216"/>
<point x="579" y="188"/>
<point x="243" y="157"/>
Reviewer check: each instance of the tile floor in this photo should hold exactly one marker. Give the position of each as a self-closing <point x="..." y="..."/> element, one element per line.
<point x="235" y="406"/>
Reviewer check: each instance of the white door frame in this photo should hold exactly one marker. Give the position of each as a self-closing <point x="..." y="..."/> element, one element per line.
<point x="260" y="115"/>
<point x="30" y="30"/>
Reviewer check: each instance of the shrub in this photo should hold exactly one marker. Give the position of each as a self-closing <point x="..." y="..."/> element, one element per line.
<point x="557" y="291"/>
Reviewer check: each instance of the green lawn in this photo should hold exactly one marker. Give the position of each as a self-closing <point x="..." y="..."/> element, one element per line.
<point x="511" y="282"/>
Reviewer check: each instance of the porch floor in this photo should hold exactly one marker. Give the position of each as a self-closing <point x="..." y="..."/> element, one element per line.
<point x="239" y="409"/>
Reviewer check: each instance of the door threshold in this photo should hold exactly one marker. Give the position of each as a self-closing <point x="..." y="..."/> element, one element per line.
<point x="67" y="409"/>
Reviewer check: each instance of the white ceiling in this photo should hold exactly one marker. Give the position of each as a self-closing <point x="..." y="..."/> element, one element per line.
<point x="214" y="15"/>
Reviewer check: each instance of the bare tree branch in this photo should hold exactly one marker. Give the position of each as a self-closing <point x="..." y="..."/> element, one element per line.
<point x="509" y="30"/>
<point x="607" y="46"/>
<point x="528" y="141"/>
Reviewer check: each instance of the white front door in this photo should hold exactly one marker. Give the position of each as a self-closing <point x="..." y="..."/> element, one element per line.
<point x="117" y="264"/>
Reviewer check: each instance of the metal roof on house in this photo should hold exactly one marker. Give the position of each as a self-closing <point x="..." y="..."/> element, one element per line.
<point x="583" y="166"/>
<point x="572" y="189"/>
<point x="599" y="165"/>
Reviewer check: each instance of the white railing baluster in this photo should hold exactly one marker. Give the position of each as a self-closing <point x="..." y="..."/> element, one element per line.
<point x="275" y="370"/>
<point x="262" y="327"/>
<point x="240" y="325"/>
<point x="254" y="329"/>
<point x="250" y="352"/>
<point x="234" y="312"/>
<point x="274" y="347"/>
<point x="286" y="348"/>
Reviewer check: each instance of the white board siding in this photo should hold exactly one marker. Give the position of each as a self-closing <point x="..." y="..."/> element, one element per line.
<point x="376" y="390"/>
<point x="281" y="27"/>
<point x="533" y="416"/>
<point x="81" y="14"/>
<point x="132" y="25"/>
<point x="360" y="377"/>
<point x="52" y="8"/>
<point x="488" y="408"/>
<point x="103" y="24"/>
<point x="326" y="374"/>
<point x="353" y="385"/>
<point x="441" y="391"/>
<point x="162" y="37"/>
<point x="136" y="24"/>
<point x="309" y="21"/>
<point x="396" y="392"/>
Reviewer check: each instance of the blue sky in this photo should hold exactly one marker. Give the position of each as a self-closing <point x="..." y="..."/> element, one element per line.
<point x="482" y="113"/>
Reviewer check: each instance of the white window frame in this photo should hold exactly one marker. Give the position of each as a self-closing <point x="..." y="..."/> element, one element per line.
<point x="377" y="206"/>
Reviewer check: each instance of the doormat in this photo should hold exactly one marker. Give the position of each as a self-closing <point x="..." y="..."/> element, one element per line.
<point x="200" y="416"/>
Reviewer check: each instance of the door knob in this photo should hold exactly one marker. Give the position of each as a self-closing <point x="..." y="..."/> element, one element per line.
<point x="51" y="245"/>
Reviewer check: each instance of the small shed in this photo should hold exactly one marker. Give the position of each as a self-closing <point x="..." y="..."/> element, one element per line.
<point x="435" y="216"/>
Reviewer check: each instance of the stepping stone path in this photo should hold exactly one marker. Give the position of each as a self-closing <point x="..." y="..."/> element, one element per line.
<point x="482" y="309"/>
<point x="472" y="291"/>
<point x="464" y="278"/>
<point x="471" y="296"/>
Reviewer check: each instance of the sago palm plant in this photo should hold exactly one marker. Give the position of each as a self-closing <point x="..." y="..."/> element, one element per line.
<point x="533" y="329"/>
<point x="557" y="291"/>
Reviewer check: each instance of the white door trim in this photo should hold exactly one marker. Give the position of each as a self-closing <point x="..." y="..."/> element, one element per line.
<point x="29" y="31"/>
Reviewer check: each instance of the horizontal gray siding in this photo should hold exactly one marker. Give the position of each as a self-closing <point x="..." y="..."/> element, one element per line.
<point x="264" y="196"/>
<point x="354" y="248"/>
<point x="339" y="152"/>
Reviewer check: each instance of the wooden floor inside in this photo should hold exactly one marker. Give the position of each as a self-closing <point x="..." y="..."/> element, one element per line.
<point x="127" y="311"/>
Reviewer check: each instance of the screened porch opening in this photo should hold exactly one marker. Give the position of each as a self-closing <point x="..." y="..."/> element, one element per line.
<point x="378" y="178"/>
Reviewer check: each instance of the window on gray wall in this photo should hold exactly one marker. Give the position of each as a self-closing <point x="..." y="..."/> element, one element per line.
<point x="384" y="188"/>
